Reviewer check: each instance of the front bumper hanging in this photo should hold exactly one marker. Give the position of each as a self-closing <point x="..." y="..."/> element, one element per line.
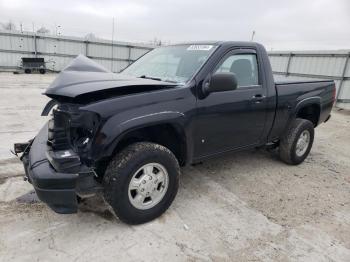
<point x="57" y="189"/>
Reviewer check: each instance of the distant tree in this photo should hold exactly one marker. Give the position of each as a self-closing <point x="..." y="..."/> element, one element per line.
<point x="43" y="30"/>
<point x="9" y="26"/>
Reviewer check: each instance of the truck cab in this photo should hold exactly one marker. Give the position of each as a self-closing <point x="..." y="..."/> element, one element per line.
<point x="127" y="135"/>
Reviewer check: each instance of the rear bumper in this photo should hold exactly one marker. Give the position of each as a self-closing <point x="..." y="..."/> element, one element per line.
<point x="57" y="189"/>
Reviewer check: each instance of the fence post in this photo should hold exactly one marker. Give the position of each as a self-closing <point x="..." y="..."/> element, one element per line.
<point x="35" y="46"/>
<point x="87" y="48"/>
<point x="343" y="75"/>
<point x="112" y="57"/>
<point x="288" y="63"/>
<point x="129" y="55"/>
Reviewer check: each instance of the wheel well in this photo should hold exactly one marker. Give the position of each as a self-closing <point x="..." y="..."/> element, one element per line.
<point x="166" y="135"/>
<point x="310" y="112"/>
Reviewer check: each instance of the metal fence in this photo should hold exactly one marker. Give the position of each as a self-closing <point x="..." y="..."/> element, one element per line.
<point x="58" y="51"/>
<point x="333" y="65"/>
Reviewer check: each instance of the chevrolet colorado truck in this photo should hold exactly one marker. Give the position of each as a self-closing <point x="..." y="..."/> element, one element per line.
<point x="126" y="135"/>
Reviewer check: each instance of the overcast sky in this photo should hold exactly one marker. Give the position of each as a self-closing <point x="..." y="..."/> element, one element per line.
<point x="279" y="24"/>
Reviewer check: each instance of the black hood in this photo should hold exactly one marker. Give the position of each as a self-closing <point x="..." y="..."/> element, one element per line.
<point x="84" y="77"/>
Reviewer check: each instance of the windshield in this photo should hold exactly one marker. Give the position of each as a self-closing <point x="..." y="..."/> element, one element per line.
<point x="172" y="63"/>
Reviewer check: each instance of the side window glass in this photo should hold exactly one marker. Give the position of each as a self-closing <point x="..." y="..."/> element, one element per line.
<point x="244" y="66"/>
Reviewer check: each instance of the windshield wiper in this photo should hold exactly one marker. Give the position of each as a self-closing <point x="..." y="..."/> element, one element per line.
<point x="149" y="77"/>
<point x="157" y="79"/>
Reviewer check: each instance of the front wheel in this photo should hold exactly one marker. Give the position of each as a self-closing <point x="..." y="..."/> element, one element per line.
<point x="296" y="143"/>
<point x="141" y="182"/>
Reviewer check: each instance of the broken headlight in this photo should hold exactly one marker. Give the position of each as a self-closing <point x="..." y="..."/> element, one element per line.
<point x="83" y="126"/>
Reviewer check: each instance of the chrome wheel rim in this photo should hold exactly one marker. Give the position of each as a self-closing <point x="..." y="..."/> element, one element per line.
<point x="302" y="143"/>
<point x="148" y="186"/>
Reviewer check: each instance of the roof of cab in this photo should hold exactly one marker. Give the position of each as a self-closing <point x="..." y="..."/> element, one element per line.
<point x="222" y="43"/>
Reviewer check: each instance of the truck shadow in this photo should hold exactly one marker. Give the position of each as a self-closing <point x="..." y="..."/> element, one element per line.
<point x="224" y="167"/>
<point x="96" y="205"/>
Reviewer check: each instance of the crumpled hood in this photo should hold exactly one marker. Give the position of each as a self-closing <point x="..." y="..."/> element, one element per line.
<point x="84" y="76"/>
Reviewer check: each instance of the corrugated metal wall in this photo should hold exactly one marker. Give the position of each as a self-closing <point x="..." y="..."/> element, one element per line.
<point x="58" y="51"/>
<point x="316" y="65"/>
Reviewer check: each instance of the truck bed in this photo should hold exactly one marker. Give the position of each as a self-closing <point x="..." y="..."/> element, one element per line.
<point x="291" y="92"/>
<point x="283" y="79"/>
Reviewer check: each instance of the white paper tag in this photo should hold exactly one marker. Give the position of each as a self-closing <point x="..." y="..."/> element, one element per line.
<point x="199" y="47"/>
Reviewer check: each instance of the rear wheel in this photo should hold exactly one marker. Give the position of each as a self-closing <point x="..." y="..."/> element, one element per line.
<point x="296" y="144"/>
<point x="141" y="182"/>
<point x="27" y="71"/>
<point x="42" y="71"/>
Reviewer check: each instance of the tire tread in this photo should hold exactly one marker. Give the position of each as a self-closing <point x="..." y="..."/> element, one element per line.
<point x="289" y="139"/>
<point x="117" y="167"/>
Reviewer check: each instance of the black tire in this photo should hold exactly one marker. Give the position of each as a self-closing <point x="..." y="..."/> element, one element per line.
<point x="42" y="71"/>
<point x="120" y="172"/>
<point x="27" y="71"/>
<point x="288" y="143"/>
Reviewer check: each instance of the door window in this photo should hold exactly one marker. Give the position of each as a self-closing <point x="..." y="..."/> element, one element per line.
<point x="244" y="66"/>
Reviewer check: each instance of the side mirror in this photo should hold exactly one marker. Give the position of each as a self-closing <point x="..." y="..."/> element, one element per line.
<point x="222" y="81"/>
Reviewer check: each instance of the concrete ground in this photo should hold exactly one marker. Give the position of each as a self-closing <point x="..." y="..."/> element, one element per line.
<point x="242" y="207"/>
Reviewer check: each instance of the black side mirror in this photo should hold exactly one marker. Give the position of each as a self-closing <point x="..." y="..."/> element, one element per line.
<point x="222" y="81"/>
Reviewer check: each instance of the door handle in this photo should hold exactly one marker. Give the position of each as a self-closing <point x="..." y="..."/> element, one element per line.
<point x="257" y="98"/>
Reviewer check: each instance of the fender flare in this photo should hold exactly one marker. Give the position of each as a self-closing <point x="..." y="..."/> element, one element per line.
<point x="48" y="107"/>
<point x="316" y="100"/>
<point x="176" y="119"/>
<point x="302" y="103"/>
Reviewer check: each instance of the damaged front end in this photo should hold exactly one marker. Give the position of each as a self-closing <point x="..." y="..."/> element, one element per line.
<point x="57" y="160"/>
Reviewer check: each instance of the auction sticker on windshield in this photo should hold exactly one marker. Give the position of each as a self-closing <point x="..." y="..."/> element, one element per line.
<point x="200" y="47"/>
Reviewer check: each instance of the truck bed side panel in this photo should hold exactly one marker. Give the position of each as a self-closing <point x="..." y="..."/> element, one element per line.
<point x="291" y="97"/>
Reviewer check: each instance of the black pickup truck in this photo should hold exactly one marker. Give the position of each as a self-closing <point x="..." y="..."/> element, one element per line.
<point x="127" y="134"/>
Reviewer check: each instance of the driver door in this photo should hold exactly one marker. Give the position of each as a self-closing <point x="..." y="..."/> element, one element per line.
<point x="232" y="119"/>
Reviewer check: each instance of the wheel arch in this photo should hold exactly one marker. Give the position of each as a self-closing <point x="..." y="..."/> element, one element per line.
<point x="167" y="128"/>
<point x="309" y="109"/>
<point x="169" y="134"/>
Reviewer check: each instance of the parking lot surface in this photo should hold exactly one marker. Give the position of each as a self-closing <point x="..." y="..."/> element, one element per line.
<point x="246" y="206"/>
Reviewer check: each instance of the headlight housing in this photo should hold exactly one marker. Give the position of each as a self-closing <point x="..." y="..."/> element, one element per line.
<point x="82" y="129"/>
<point x="71" y="128"/>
